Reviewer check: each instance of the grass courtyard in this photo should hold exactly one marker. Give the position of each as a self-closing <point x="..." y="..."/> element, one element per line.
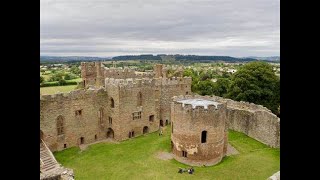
<point x="137" y="159"/>
<point x="56" y="89"/>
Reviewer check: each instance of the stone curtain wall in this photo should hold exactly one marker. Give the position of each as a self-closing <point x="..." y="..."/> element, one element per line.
<point x="254" y="120"/>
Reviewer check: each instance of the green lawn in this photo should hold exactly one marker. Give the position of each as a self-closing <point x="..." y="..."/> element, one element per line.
<point x="136" y="159"/>
<point x="56" y="89"/>
<point x="75" y="80"/>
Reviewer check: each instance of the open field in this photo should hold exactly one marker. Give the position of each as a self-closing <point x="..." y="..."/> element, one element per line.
<point x="137" y="159"/>
<point x="56" y="89"/>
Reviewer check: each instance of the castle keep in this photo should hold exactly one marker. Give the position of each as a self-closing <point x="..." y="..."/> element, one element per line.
<point x="199" y="130"/>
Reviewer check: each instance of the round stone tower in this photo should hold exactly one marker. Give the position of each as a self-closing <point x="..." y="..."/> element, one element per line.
<point x="199" y="131"/>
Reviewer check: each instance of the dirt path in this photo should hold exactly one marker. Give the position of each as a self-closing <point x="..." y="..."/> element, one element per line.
<point x="231" y="150"/>
<point x="164" y="155"/>
<point x="84" y="146"/>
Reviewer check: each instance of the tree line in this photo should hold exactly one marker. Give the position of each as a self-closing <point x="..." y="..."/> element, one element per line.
<point x="254" y="82"/>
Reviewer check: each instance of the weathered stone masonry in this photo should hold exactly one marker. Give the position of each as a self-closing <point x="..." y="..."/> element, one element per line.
<point x="256" y="121"/>
<point x="87" y="115"/>
<point x="120" y="109"/>
<point x="199" y="132"/>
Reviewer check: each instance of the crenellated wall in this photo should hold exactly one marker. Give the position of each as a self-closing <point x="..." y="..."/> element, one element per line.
<point x="118" y="119"/>
<point x="94" y="73"/>
<point x="150" y="96"/>
<point x="256" y="121"/>
<point x="188" y="123"/>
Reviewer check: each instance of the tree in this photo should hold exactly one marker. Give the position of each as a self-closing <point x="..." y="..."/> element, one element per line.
<point x="70" y="76"/>
<point x="220" y="88"/>
<point x="205" y="87"/>
<point x="55" y="77"/>
<point x="41" y="79"/>
<point x="256" y="82"/>
<point x="75" y="70"/>
<point x="62" y="82"/>
<point x="67" y="77"/>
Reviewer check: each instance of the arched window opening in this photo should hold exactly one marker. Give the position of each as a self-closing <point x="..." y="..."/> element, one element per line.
<point x="101" y="116"/>
<point x="204" y="137"/>
<point x="60" y="125"/>
<point x="139" y="102"/>
<point x="184" y="154"/>
<point x="110" y="133"/>
<point x="145" y="129"/>
<point x="111" y="103"/>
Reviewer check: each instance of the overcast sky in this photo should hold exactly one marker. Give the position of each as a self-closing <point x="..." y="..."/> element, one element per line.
<point x="122" y="27"/>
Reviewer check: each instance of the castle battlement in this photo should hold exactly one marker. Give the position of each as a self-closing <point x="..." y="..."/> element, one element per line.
<point x="196" y="103"/>
<point x="76" y="94"/>
<point x="118" y="70"/>
<point x="230" y="103"/>
<point x="242" y="105"/>
<point x="176" y="80"/>
<point x="130" y="82"/>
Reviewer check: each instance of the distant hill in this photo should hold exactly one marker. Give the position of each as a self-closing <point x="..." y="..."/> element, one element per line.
<point x="160" y="57"/>
<point x="269" y="58"/>
<point x="178" y="57"/>
<point x="71" y="58"/>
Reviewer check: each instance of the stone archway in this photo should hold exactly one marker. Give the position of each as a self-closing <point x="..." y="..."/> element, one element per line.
<point x="110" y="133"/>
<point x="82" y="140"/>
<point x="145" y="129"/>
<point x="161" y="122"/>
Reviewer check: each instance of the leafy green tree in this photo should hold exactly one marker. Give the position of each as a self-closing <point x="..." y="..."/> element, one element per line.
<point x="70" y="76"/>
<point x="256" y="82"/>
<point x="56" y="77"/>
<point x="220" y="88"/>
<point x="67" y="77"/>
<point x="205" y="87"/>
<point x="75" y="70"/>
<point x="62" y="82"/>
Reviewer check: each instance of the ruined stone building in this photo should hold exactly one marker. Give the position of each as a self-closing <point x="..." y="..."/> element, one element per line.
<point x="117" y="104"/>
<point x="199" y="133"/>
<point x="120" y="104"/>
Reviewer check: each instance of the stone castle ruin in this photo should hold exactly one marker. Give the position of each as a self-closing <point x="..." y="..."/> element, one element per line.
<point x="119" y="104"/>
<point x="199" y="133"/>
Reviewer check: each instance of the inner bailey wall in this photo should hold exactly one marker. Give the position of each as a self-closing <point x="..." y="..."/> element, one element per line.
<point x="86" y="125"/>
<point x="94" y="73"/>
<point x="125" y="73"/>
<point x="126" y="94"/>
<point x="256" y="121"/>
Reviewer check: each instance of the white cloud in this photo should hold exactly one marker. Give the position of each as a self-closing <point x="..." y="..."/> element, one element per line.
<point x="117" y="27"/>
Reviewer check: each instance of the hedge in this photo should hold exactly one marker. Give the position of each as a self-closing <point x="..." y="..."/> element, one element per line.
<point x="56" y="83"/>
